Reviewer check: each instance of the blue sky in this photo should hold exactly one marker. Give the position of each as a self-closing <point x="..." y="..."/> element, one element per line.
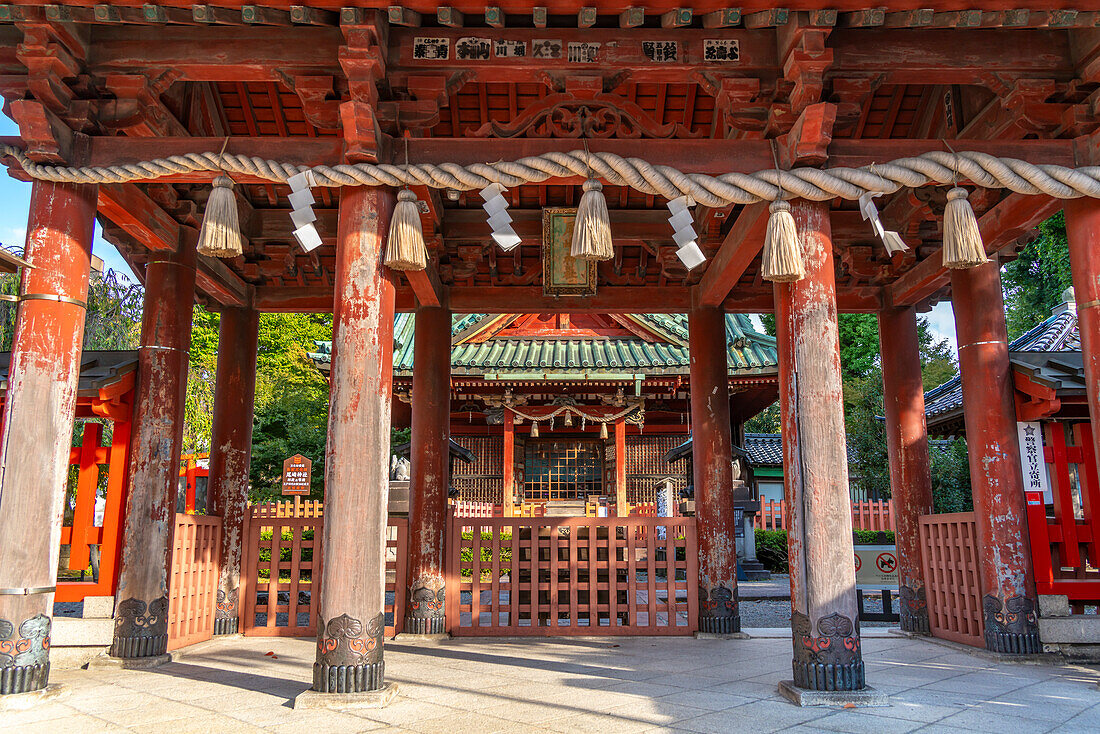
<point x="13" y="231"/>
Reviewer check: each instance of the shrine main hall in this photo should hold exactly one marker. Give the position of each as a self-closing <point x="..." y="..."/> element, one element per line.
<point x="602" y="161"/>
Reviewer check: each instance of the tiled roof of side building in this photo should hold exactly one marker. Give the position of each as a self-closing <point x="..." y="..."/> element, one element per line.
<point x="748" y="350"/>
<point x="1059" y="333"/>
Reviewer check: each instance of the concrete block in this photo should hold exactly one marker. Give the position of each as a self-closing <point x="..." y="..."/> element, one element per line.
<point x="1080" y="629"/>
<point x="109" y="661"/>
<point x="77" y="632"/>
<point x="98" y="607"/>
<point x="865" y="698"/>
<point x="381" y="698"/>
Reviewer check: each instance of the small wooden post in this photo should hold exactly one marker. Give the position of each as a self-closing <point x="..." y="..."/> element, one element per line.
<point x="38" y="424"/>
<point x="910" y="466"/>
<point x="231" y="451"/>
<point x="352" y="617"/>
<point x="712" y="457"/>
<point x="824" y="616"/>
<point x="1009" y="605"/>
<point x="141" y="608"/>
<point x="622" y="508"/>
<point x="1083" y="233"/>
<point x="430" y="453"/>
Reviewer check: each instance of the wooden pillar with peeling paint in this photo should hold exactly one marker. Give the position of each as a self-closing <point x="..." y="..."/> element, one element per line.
<point x="352" y="608"/>
<point x="910" y="466"/>
<point x="1009" y="605"/>
<point x="38" y="424"/>
<point x="824" y="615"/>
<point x="141" y="602"/>
<point x="622" y="506"/>
<point x="231" y="451"/>
<point x="712" y="461"/>
<point x="1083" y="233"/>
<point x="430" y="452"/>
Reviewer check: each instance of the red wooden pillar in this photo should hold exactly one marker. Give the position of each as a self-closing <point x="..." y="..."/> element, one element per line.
<point x="824" y="616"/>
<point x="508" y="471"/>
<point x="141" y="607"/>
<point x="910" y="468"/>
<point x="429" y="451"/>
<point x="352" y="608"/>
<point x="712" y="457"/>
<point x="622" y="507"/>
<point x="38" y="425"/>
<point x="1009" y="604"/>
<point x="1083" y="232"/>
<point x="231" y="451"/>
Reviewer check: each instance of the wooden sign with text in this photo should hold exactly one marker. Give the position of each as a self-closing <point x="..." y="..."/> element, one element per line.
<point x="297" y="473"/>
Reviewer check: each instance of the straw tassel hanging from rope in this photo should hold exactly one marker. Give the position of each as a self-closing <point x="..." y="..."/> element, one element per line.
<point x="592" y="230"/>
<point x="962" y="241"/>
<point x="221" y="230"/>
<point x="405" y="249"/>
<point x="782" y="259"/>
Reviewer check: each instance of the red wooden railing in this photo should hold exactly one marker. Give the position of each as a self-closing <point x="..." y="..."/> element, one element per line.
<point x="952" y="577"/>
<point x="868" y="515"/>
<point x="275" y="587"/>
<point x="81" y="533"/>
<point x="1065" y="545"/>
<point x="572" y="576"/>
<point x="465" y="508"/>
<point x="193" y="582"/>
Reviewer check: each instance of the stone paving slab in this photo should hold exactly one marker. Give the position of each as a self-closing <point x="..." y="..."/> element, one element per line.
<point x="571" y="685"/>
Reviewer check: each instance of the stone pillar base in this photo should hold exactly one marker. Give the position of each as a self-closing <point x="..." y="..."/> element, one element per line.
<point x="24" y="678"/>
<point x="720" y="625"/>
<point x="425" y="625"/>
<point x="829" y="676"/>
<point x="139" y="647"/>
<point x="227" y="626"/>
<point x="348" y="678"/>
<point x="1013" y="643"/>
<point x="376" y="699"/>
<point x="30" y="699"/>
<point x="863" y="698"/>
<point x="916" y="624"/>
<point x="143" y="663"/>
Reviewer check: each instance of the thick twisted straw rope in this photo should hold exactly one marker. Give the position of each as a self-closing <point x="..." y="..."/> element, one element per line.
<point x="714" y="191"/>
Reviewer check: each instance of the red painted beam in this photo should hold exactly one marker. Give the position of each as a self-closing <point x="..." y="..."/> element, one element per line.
<point x="1001" y="227"/>
<point x="130" y="209"/>
<point x="740" y="247"/>
<point x="426" y="286"/>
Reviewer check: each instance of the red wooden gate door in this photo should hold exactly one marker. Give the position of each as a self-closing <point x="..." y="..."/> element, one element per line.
<point x="193" y="584"/>
<point x="572" y="576"/>
<point x="952" y="577"/>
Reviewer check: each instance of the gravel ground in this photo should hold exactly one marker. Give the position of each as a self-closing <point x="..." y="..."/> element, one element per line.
<point x="777" y="613"/>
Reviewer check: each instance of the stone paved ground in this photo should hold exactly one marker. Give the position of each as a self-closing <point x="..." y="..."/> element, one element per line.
<point x="562" y="685"/>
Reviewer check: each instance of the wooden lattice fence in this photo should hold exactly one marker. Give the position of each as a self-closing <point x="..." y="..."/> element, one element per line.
<point x="193" y="582"/>
<point x="952" y="577"/>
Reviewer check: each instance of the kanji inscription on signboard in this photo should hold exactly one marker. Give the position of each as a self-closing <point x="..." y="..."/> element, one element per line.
<point x="297" y="472"/>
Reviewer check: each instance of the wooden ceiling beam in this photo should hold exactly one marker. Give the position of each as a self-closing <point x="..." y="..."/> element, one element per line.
<point x="426" y="287"/>
<point x="131" y="210"/>
<point x="742" y="244"/>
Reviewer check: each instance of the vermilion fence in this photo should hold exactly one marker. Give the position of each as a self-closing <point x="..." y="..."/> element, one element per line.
<point x="1065" y="543"/>
<point x="465" y="508"/>
<point x="952" y="577"/>
<point x="281" y="570"/>
<point x="572" y="576"/>
<point x="92" y="461"/>
<point x="869" y="515"/>
<point x="193" y="583"/>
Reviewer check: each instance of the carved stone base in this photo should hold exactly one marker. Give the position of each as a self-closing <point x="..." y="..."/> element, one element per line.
<point x="380" y="698"/>
<point x="828" y="658"/>
<point x="913" y="611"/>
<point x="425" y="625"/>
<point x="863" y="698"/>
<point x="226" y="626"/>
<point x="828" y="677"/>
<point x="720" y="625"/>
<point x="24" y="678"/>
<point x="139" y="647"/>
<point x="1011" y="627"/>
<point x="348" y="678"/>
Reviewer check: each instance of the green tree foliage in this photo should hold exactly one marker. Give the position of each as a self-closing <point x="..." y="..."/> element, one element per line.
<point x="1033" y="283"/>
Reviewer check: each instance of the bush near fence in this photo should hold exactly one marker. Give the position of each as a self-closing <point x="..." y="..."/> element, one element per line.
<point x="771" y="545"/>
<point x="285" y="552"/>
<point x="487" y="553"/>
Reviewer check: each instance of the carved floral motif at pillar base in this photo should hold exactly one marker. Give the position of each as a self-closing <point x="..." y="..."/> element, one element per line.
<point x="913" y="609"/>
<point x="718" y="610"/>
<point x="349" y="655"/>
<point x="1011" y="626"/>
<point x="24" y="654"/>
<point x="830" y="659"/>
<point x="141" y="629"/>
<point x="225" y="613"/>
<point x="427" y="612"/>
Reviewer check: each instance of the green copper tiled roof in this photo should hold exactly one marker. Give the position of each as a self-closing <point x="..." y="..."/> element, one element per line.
<point x="749" y="351"/>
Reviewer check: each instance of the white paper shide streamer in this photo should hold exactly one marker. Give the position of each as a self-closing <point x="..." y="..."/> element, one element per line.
<point x="302" y="214"/>
<point x="890" y="239"/>
<point x="683" y="232"/>
<point x="500" y="222"/>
